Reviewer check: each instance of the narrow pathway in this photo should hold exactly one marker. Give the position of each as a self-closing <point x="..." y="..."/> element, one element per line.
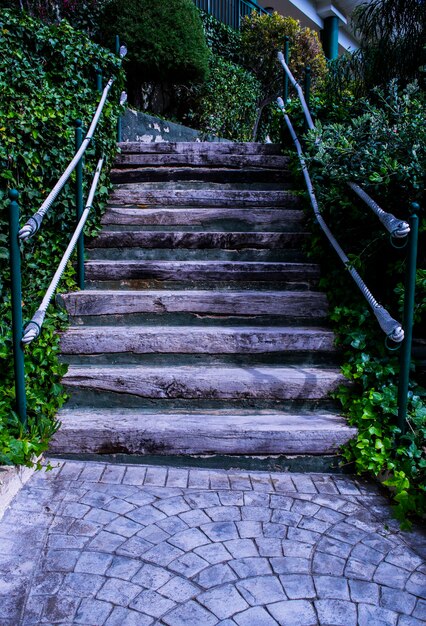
<point x="97" y="544"/>
<point x="202" y="329"/>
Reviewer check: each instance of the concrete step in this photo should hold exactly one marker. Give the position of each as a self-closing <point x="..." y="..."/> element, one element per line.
<point x="143" y="383"/>
<point x="91" y="340"/>
<point x="106" y="431"/>
<point x="208" y="219"/>
<point x="139" y="194"/>
<point x="291" y="305"/>
<point x="197" y="148"/>
<point x="137" y="174"/>
<point x="196" y="271"/>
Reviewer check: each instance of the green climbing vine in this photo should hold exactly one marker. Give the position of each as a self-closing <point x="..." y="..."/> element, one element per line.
<point x="47" y="81"/>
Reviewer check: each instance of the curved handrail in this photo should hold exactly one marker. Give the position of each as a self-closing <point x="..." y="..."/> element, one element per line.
<point x="33" y="328"/>
<point x="391" y="327"/>
<point x="33" y="223"/>
<point x="397" y="228"/>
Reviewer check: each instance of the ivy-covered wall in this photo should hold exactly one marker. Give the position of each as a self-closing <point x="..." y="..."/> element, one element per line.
<point x="47" y="81"/>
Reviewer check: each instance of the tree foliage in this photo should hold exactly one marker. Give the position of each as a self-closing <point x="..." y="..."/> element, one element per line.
<point x="392" y="38"/>
<point x="262" y="37"/>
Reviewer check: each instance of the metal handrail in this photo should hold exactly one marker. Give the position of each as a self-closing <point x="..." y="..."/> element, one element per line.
<point x="397" y="228"/>
<point x="391" y="327"/>
<point x="33" y="328"/>
<point x="33" y="223"/>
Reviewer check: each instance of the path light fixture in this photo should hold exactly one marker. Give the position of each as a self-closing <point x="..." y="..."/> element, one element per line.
<point x="123" y="51"/>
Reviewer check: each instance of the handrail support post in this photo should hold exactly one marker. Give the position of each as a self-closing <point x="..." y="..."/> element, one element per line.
<point x="307" y="91"/>
<point x="79" y="205"/>
<point x="286" y="59"/>
<point x="15" y="270"/>
<point x="409" y="293"/>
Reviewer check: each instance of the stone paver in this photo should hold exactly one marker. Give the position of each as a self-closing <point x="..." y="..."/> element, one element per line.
<point x="97" y="544"/>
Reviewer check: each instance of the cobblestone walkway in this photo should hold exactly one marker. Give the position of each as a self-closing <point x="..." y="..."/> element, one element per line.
<point x="118" y="545"/>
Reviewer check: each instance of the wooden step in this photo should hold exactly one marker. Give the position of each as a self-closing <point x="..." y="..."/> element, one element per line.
<point x="197" y="239"/>
<point x="208" y="382"/>
<point x="89" y="340"/>
<point x="306" y="273"/>
<point x="291" y="304"/>
<point x="228" y="218"/>
<point x="95" y="431"/>
<point x="202" y="159"/>
<point x="139" y="194"/>
<point x="195" y="148"/>
<point x="137" y="174"/>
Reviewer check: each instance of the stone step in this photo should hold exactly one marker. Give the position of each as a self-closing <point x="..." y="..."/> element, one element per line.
<point x="197" y="239"/>
<point x="137" y="174"/>
<point x="91" y="340"/>
<point x="199" y="147"/>
<point x="294" y="305"/>
<point x="138" y="194"/>
<point x="306" y="274"/>
<point x="143" y="383"/>
<point x="212" y="219"/>
<point x="106" y="431"/>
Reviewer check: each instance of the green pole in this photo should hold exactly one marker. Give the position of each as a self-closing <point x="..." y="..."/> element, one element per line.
<point x="117" y="52"/>
<point x="79" y="205"/>
<point x="410" y="287"/>
<point x="99" y="79"/>
<point x="286" y="59"/>
<point x="15" y="271"/>
<point x="307" y="90"/>
<point x="330" y="37"/>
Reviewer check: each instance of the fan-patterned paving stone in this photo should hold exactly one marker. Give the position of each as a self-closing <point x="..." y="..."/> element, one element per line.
<point x="105" y="545"/>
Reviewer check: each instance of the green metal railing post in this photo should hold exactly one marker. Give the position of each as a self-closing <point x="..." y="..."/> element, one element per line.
<point x="286" y="59"/>
<point x="410" y="286"/>
<point x="117" y="52"/>
<point x="99" y="80"/>
<point x="15" y="270"/>
<point x="307" y="89"/>
<point x="79" y="205"/>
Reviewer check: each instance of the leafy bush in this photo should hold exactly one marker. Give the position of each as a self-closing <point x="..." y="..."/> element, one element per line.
<point x="226" y="104"/>
<point x="384" y="149"/>
<point x="222" y="40"/>
<point x="81" y="14"/>
<point x="47" y="81"/>
<point x="262" y="37"/>
<point x="165" y="40"/>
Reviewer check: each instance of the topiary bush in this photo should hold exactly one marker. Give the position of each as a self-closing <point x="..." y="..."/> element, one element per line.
<point x="165" y="40"/>
<point x="47" y="81"/>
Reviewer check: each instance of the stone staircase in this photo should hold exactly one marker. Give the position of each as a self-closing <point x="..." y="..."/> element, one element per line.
<point x="201" y="329"/>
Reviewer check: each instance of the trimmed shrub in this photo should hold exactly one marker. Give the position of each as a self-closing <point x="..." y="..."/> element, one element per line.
<point x="222" y="40"/>
<point x="164" y="38"/>
<point x="226" y="104"/>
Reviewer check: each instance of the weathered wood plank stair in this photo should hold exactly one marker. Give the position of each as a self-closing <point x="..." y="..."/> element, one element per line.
<point x="201" y="329"/>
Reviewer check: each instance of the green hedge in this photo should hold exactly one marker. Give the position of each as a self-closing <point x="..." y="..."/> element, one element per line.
<point x="47" y="81"/>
